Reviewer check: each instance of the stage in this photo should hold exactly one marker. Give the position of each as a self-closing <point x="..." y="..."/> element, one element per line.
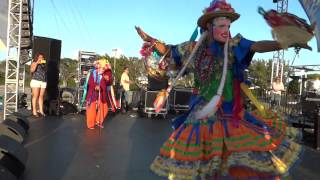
<point x="62" y="148"/>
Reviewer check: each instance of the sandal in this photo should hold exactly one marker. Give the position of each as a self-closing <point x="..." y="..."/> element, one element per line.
<point x="35" y="115"/>
<point x="101" y="126"/>
<point x="42" y="114"/>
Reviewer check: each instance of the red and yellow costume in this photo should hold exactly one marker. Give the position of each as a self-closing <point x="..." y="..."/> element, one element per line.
<point x="98" y="91"/>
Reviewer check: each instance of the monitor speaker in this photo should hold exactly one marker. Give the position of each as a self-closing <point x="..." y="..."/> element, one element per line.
<point x="6" y="174"/>
<point x="156" y="84"/>
<point x="21" y="120"/>
<point x="150" y="96"/>
<point x="182" y="96"/>
<point x="13" y="130"/>
<point x="13" y="156"/>
<point x="14" y="125"/>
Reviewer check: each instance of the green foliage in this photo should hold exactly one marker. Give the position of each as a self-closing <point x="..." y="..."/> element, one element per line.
<point x="313" y="76"/>
<point x="68" y="72"/>
<point x="135" y="65"/>
<point x="2" y="78"/>
<point x="260" y="73"/>
<point x="71" y="83"/>
<point x="27" y="76"/>
<point x="293" y="87"/>
<point x="186" y="80"/>
<point x="2" y="71"/>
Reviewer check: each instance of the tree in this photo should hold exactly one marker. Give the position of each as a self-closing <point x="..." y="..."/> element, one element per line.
<point x="135" y="65"/>
<point x="68" y="72"/>
<point x="260" y="73"/>
<point x="293" y="87"/>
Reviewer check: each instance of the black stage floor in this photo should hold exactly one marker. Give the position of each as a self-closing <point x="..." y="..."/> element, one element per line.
<point x="62" y="148"/>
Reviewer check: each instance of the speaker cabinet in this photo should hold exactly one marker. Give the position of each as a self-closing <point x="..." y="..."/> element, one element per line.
<point x="150" y="96"/>
<point x="156" y="85"/>
<point x="6" y="174"/>
<point x="22" y="121"/>
<point x="51" y="48"/>
<point x="181" y="98"/>
<point x="13" y="130"/>
<point x="13" y="155"/>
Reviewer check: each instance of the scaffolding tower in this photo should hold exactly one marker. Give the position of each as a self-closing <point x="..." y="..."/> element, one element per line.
<point x="85" y="63"/>
<point x="19" y="43"/>
<point x="278" y="56"/>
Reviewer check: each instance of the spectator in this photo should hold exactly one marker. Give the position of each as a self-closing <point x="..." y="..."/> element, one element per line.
<point x="277" y="87"/>
<point x="38" y="84"/>
<point x="125" y="84"/>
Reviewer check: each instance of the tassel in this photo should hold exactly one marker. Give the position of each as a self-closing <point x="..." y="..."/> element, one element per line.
<point x="194" y="35"/>
<point x="210" y="108"/>
<point x="253" y="99"/>
<point x="280" y="165"/>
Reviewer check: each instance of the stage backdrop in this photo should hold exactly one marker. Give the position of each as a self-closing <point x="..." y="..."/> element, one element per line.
<point x="3" y="23"/>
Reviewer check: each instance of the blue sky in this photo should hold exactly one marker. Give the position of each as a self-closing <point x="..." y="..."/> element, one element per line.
<point x="102" y="25"/>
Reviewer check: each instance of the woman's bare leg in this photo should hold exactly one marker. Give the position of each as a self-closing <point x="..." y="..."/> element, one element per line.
<point x="41" y="95"/>
<point x="35" y="95"/>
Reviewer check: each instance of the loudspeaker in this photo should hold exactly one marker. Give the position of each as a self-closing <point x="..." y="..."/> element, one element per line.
<point x="6" y="174"/>
<point x="68" y="108"/>
<point x="51" y="48"/>
<point x="150" y="96"/>
<point x="156" y="84"/>
<point x="149" y="109"/>
<point x="22" y="100"/>
<point x="13" y="155"/>
<point x="181" y="98"/>
<point x="20" y="119"/>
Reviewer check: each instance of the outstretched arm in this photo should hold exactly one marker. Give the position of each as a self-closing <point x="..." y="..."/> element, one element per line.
<point x="265" y="46"/>
<point x="268" y="46"/>
<point x="160" y="46"/>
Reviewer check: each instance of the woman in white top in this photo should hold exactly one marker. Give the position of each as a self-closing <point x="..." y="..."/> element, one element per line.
<point x="277" y="87"/>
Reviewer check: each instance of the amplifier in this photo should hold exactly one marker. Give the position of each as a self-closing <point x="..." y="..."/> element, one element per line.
<point x="149" y="109"/>
<point x="181" y="98"/>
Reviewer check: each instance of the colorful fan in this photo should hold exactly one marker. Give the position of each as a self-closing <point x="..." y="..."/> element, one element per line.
<point x="287" y="29"/>
<point x="312" y="9"/>
<point x="154" y="63"/>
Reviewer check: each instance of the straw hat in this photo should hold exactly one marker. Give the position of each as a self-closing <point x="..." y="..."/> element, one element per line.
<point x="217" y="8"/>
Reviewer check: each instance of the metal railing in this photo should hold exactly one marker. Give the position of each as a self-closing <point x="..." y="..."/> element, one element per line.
<point x="289" y="103"/>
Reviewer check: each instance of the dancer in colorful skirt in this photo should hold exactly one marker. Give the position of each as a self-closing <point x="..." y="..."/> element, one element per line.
<point x="98" y="90"/>
<point x="217" y="138"/>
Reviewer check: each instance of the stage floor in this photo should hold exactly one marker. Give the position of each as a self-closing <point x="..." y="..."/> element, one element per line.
<point x="62" y="148"/>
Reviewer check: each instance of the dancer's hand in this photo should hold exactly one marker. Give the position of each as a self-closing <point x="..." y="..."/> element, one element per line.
<point x="97" y="88"/>
<point x="144" y="35"/>
<point x="304" y="46"/>
<point x="160" y="46"/>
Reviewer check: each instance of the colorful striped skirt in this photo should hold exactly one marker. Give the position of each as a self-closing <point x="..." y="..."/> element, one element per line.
<point x="256" y="147"/>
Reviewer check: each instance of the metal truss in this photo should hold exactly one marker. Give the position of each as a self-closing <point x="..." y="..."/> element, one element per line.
<point x="85" y="63"/>
<point x="278" y="56"/>
<point x="19" y="35"/>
